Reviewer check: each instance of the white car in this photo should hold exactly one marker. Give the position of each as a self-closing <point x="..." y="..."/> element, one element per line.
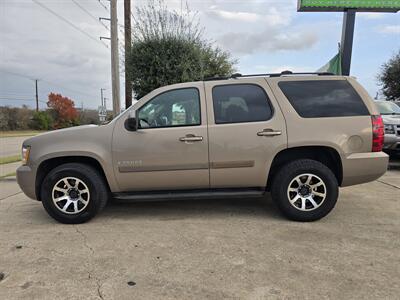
<point x="391" y="118"/>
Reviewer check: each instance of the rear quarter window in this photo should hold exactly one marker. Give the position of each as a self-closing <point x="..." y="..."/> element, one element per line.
<point x="323" y="98"/>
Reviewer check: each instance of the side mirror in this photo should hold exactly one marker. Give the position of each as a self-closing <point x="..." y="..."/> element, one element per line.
<point x="131" y="124"/>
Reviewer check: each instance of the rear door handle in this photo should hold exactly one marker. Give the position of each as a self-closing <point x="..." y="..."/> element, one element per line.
<point x="269" y="132"/>
<point x="189" y="138"/>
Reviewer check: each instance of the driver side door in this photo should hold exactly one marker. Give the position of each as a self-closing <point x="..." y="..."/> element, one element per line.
<point x="169" y="150"/>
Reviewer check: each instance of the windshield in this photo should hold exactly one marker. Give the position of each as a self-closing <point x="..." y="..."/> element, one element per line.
<point x="388" y="108"/>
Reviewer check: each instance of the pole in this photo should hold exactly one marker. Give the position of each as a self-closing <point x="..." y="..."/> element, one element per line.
<point x="128" y="36"/>
<point x="37" y="95"/>
<point x="349" y="19"/>
<point x="114" y="58"/>
<point x="101" y="92"/>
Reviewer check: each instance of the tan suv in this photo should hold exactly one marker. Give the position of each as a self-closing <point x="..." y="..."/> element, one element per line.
<point x="298" y="136"/>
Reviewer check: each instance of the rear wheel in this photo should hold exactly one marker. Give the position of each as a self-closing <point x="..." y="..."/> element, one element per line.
<point x="305" y="190"/>
<point x="73" y="193"/>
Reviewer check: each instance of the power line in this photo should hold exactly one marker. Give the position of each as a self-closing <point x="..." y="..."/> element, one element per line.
<point x="11" y="94"/>
<point x="105" y="7"/>
<point x="19" y="99"/>
<point x="16" y="97"/>
<point x="16" y="74"/>
<point x="89" y="14"/>
<point x="48" y="82"/>
<point x="67" y="88"/>
<point x="68" y="22"/>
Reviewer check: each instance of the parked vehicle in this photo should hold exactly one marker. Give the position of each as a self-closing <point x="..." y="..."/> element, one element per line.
<point x="391" y="119"/>
<point x="297" y="136"/>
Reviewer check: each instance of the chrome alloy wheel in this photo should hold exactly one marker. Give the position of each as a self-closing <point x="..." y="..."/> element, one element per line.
<point x="306" y="192"/>
<point x="70" y="195"/>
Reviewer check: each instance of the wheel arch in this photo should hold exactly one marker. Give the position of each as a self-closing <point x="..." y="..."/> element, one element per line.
<point x="324" y="154"/>
<point x="47" y="165"/>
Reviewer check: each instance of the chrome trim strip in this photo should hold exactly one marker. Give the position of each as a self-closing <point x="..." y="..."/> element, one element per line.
<point x="232" y="164"/>
<point x="128" y="169"/>
<point x="200" y="166"/>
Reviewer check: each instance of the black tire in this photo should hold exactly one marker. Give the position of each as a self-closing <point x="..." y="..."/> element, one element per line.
<point x="283" y="178"/>
<point x="95" y="183"/>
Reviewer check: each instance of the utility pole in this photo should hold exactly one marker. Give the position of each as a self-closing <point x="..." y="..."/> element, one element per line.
<point x="128" y="36"/>
<point x="114" y="58"/>
<point x="37" y="95"/>
<point x="105" y="104"/>
<point x="102" y="99"/>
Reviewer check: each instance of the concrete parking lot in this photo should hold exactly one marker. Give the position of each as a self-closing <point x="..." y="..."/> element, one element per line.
<point x="214" y="249"/>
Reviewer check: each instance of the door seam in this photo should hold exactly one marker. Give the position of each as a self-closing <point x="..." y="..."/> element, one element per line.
<point x="208" y="136"/>
<point x="280" y="108"/>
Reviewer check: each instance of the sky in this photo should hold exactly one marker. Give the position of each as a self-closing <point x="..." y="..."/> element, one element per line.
<point x="66" y="56"/>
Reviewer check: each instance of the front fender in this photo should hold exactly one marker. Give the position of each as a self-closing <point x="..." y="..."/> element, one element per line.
<point x="86" y="141"/>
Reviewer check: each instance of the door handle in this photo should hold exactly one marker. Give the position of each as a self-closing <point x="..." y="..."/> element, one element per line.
<point x="189" y="138"/>
<point x="269" y="132"/>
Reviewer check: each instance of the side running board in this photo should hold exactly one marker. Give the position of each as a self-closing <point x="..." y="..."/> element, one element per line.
<point x="190" y="194"/>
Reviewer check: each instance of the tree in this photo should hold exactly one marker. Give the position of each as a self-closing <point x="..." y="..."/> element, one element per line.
<point x="63" y="110"/>
<point x="168" y="47"/>
<point x="390" y="78"/>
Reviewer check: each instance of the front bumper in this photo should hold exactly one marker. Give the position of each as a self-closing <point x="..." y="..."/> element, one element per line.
<point x="392" y="142"/>
<point x="26" y="178"/>
<point x="363" y="167"/>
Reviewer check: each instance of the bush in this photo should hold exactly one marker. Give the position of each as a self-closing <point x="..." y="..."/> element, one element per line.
<point x="12" y="118"/>
<point x="42" y="120"/>
<point x="88" y="116"/>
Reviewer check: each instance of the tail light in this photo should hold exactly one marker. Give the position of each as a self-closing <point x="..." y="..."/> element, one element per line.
<point x="378" y="133"/>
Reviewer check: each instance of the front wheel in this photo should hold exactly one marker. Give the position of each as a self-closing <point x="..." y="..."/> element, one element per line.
<point x="73" y="193"/>
<point x="305" y="190"/>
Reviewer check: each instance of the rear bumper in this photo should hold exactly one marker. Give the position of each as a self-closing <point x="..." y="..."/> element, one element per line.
<point x="363" y="167"/>
<point x="26" y="181"/>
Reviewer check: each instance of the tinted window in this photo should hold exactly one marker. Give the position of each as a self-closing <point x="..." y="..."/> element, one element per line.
<point x="323" y="98"/>
<point x="173" y="108"/>
<point x="240" y="103"/>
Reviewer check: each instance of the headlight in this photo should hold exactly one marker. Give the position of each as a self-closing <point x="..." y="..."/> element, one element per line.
<point x="25" y="154"/>
<point x="389" y="129"/>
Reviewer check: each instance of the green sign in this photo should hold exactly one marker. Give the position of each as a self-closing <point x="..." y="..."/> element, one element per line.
<point x="342" y="5"/>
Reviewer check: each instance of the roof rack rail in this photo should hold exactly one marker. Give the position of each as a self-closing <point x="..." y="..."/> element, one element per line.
<point x="284" y="73"/>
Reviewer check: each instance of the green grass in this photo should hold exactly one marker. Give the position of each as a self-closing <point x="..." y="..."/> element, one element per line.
<point x="17" y="133"/>
<point x="9" y="159"/>
<point x="8" y="175"/>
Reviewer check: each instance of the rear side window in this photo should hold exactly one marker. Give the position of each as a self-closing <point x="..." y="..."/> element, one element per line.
<point x="323" y="98"/>
<point x="238" y="103"/>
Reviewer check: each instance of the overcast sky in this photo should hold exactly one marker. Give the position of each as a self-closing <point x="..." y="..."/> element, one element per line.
<point x="264" y="35"/>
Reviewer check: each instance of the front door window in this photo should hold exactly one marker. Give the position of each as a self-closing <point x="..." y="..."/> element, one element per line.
<point x="173" y="108"/>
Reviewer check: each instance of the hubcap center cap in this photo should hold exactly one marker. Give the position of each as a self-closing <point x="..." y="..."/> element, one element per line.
<point x="73" y="193"/>
<point x="304" y="190"/>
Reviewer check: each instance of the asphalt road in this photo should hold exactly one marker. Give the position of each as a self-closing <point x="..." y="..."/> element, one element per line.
<point x="214" y="249"/>
<point x="11" y="145"/>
